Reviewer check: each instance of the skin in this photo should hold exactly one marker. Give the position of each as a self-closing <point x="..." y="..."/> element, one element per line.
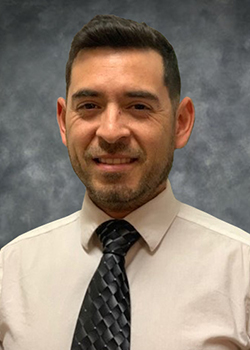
<point x="120" y="128"/>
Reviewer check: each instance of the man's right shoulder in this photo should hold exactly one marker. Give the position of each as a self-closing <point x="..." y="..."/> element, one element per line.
<point x="46" y="229"/>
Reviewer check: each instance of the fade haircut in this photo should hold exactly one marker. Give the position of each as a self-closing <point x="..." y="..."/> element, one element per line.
<point x="115" y="32"/>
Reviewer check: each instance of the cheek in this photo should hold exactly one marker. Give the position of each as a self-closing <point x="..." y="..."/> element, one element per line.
<point x="159" y="145"/>
<point x="156" y="138"/>
<point x="80" y="135"/>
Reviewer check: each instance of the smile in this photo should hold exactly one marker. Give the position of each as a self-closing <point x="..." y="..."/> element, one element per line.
<point x="115" y="161"/>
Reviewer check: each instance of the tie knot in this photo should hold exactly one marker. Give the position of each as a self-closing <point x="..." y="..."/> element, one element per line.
<point x="117" y="236"/>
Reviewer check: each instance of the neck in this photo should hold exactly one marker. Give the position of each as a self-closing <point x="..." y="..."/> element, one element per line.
<point x="121" y="213"/>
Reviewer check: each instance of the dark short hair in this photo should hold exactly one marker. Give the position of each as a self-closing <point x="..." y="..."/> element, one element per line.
<point x="115" y="32"/>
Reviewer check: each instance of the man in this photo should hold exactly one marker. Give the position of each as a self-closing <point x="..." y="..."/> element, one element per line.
<point x="188" y="272"/>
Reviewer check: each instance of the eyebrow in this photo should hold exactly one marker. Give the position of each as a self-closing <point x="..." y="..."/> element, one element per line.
<point x="86" y="93"/>
<point x="133" y="94"/>
<point x="142" y="94"/>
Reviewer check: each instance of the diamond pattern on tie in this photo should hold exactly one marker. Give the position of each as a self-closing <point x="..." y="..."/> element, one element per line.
<point x="104" y="319"/>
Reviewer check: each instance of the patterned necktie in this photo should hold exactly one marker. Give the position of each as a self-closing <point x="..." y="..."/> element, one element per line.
<point x="104" y="319"/>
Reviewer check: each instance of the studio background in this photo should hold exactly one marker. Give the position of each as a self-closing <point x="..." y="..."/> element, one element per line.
<point x="212" y="43"/>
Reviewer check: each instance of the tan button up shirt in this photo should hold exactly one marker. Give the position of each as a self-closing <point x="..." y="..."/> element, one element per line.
<point x="189" y="280"/>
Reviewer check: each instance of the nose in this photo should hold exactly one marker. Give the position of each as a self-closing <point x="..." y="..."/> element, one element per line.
<point x="113" y="125"/>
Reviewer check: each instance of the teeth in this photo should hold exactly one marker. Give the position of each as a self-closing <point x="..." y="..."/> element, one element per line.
<point x="115" y="160"/>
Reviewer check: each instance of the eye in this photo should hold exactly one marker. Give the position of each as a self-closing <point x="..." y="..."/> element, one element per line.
<point x="140" y="106"/>
<point x="87" y="106"/>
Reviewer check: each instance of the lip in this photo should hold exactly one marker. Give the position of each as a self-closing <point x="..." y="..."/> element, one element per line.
<point x="114" y="162"/>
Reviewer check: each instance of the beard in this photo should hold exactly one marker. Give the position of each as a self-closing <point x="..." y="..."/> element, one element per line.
<point x="116" y="196"/>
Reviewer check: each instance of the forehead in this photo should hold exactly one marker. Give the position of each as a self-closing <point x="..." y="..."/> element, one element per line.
<point x="117" y="68"/>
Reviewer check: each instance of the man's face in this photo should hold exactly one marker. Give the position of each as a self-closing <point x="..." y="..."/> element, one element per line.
<point x="119" y="126"/>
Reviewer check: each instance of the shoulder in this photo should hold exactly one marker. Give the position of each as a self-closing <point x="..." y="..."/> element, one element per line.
<point x="206" y="221"/>
<point x="51" y="247"/>
<point x="45" y="231"/>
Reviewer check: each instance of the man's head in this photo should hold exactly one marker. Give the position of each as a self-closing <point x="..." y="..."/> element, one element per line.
<point x="119" y="33"/>
<point x="119" y="123"/>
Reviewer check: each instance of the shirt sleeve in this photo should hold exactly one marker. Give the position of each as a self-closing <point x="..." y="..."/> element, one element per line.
<point x="1" y="273"/>
<point x="1" y="278"/>
<point x="248" y="300"/>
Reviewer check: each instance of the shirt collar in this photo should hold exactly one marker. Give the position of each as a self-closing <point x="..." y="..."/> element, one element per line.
<point x="152" y="220"/>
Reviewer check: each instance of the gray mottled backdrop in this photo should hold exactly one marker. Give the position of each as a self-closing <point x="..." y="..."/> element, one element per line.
<point x="212" y="42"/>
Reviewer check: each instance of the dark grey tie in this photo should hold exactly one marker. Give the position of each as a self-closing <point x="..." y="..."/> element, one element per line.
<point x="104" y="319"/>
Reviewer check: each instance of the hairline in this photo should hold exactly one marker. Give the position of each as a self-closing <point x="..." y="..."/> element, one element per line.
<point x="174" y="101"/>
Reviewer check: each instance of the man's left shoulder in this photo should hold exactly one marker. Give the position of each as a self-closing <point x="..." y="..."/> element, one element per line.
<point x="210" y="222"/>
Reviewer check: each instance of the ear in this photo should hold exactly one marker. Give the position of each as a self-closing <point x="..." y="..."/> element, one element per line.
<point x="185" y="116"/>
<point x="61" y="118"/>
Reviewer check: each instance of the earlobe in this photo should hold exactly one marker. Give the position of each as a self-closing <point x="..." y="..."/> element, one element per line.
<point x="61" y="118"/>
<point x="185" y="117"/>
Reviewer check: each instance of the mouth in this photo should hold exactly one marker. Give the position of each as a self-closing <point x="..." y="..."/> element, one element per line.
<point x="114" y="161"/>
